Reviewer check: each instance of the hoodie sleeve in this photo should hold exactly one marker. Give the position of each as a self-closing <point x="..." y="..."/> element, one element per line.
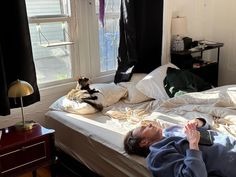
<point x="193" y="164"/>
<point x="205" y="126"/>
<point x="170" y="161"/>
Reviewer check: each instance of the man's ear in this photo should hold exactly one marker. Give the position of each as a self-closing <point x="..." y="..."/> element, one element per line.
<point x="144" y="143"/>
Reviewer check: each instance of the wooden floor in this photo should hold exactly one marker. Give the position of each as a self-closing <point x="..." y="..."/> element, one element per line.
<point x="45" y="172"/>
<point x="41" y="172"/>
<point x="66" y="166"/>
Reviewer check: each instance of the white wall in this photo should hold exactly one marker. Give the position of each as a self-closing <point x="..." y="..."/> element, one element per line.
<point x="37" y="111"/>
<point x="213" y="20"/>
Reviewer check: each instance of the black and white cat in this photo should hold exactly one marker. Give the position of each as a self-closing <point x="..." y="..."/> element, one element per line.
<point x="83" y="93"/>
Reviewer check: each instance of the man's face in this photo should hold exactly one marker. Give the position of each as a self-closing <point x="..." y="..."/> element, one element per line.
<point x="149" y="133"/>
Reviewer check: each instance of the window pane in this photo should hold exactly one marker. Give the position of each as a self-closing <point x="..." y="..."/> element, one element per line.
<point x="111" y="6"/>
<point x="108" y="42"/>
<point x="46" y="7"/>
<point x="52" y="63"/>
<point x="109" y="35"/>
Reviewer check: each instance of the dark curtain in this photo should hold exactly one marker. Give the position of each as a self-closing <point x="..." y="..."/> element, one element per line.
<point x="140" y="46"/>
<point x="16" y="58"/>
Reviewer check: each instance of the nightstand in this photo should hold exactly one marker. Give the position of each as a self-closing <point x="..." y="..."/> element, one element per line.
<point x="208" y="71"/>
<point x="23" y="151"/>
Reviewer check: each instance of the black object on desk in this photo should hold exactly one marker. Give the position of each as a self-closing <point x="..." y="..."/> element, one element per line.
<point x="208" y="71"/>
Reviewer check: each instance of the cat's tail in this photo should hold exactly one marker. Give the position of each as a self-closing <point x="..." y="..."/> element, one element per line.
<point x="97" y="106"/>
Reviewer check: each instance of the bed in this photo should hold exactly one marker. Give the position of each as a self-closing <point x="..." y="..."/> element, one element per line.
<point x="96" y="139"/>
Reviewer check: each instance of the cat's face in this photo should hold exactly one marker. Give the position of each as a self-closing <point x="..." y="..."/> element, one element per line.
<point x="82" y="82"/>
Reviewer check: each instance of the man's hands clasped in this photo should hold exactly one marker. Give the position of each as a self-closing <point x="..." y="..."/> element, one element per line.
<point x="193" y="135"/>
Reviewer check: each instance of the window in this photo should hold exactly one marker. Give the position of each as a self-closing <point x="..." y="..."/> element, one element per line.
<point x="109" y="35"/>
<point x="108" y="38"/>
<point x="68" y="40"/>
<point x="49" y="26"/>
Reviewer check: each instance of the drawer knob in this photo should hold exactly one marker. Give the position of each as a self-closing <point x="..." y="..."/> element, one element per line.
<point x="23" y="148"/>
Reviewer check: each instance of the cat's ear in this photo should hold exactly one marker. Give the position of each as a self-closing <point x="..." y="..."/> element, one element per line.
<point x="80" y="80"/>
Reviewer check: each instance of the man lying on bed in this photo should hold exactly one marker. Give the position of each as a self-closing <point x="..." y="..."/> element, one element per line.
<point x="170" y="153"/>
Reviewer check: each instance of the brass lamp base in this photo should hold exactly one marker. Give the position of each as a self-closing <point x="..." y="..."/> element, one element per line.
<point x="28" y="125"/>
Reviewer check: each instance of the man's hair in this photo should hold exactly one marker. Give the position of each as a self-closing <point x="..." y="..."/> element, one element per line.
<point x="131" y="145"/>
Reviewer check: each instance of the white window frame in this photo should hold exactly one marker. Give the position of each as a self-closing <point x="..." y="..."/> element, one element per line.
<point x="94" y="41"/>
<point x="83" y="30"/>
<point x="73" y="31"/>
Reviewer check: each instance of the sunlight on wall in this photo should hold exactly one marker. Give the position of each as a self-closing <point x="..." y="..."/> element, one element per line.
<point x="212" y="20"/>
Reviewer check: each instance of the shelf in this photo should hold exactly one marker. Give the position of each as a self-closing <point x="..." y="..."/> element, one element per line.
<point x="55" y="44"/>
<point x="208" y="73"/>
<point x="198" y="65"/>
<point x="209" y="43"/>
<point x="209" y="47"/>
<point x="207" y="70"/>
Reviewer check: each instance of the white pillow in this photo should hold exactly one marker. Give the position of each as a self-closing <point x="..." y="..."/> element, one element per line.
<point x="64" y="104"/>
<point x="133" y="94"/>
<point x="109" y="93"/>
<point x="152" y="85"/>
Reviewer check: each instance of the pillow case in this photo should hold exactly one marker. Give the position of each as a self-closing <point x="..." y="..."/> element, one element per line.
<point x="109" y="93"/>
<point x="133" y="94"/>
<point x="152" y="84"/>
<point x="64" y="104"/>
<point x="178" y="82"/>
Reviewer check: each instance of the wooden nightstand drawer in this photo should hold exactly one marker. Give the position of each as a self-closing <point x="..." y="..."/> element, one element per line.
<point x="22" y="151"/>
<point x="25" y="155"/>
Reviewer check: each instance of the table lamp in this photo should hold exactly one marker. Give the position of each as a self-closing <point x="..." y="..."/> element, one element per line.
<point x="178" y="28"/>
<point x="19" y="89"/>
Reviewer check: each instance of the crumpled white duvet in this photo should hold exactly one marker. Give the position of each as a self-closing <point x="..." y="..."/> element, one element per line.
<point x="217" y="106"/>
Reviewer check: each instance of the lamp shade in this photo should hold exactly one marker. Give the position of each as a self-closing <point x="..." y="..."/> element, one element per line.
<point x="178" y="26"/>
<point x="20" y="88"/>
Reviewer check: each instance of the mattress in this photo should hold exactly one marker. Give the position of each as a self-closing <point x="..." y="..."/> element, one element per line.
<point x="97" y="141"/>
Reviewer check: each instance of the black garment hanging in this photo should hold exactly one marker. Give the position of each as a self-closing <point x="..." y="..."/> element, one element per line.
<point x="16" y="58"/>
<point x="140" y="46"/>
